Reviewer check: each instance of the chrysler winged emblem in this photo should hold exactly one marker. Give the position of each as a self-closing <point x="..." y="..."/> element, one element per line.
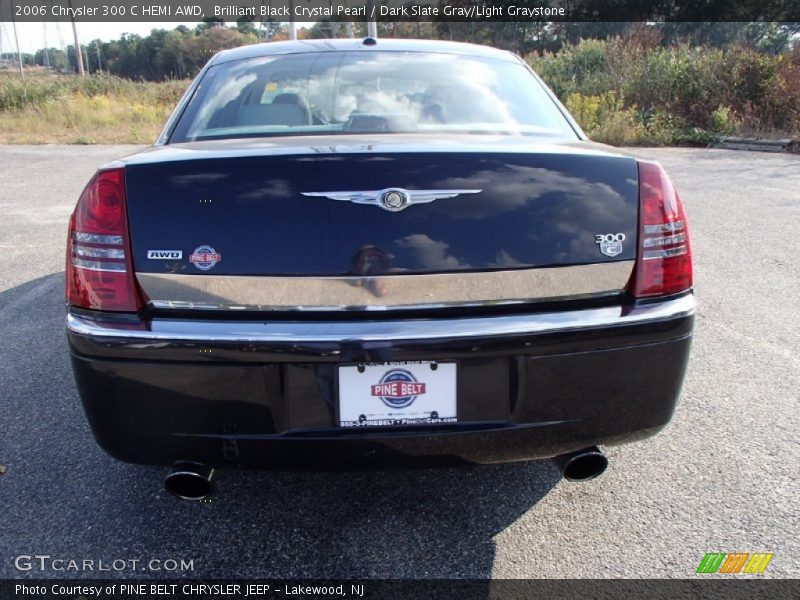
<point x="391" y="199"/>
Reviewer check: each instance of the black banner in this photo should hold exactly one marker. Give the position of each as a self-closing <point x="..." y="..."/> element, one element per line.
<point x="402" y="10"/>
<point x="277" y="589"/>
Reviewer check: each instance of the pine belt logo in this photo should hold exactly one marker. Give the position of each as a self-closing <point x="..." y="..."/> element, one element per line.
<point x="753" y="563"/>
<point x="398" y="388"/>
<point x="205" y="257"/>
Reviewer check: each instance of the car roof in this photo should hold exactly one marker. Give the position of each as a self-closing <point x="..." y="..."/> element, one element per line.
<point x="361" y="44"/>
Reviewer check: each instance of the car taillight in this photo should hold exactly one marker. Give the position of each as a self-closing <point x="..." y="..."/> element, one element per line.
<point x="99" y="273"/>
<point x="664" y="256"/>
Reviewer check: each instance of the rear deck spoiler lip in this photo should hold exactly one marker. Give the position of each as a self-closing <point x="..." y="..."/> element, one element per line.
<point x="160" y="329"/>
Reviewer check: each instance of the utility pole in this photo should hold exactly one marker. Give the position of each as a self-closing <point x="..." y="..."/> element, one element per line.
<point x="292" y="23"/>
<point x="372" y="25"/>
<point x="46" y="54"/>
<point x="97" y="47"/>
<point x="16" y="41"/>
<point x="78" y="53"/>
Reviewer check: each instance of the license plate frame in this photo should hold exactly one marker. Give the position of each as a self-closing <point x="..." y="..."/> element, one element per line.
<point x="397" y="394"/>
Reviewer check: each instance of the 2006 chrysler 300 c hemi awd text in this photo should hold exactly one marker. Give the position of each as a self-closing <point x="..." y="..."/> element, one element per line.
<point x="355" y="252"/>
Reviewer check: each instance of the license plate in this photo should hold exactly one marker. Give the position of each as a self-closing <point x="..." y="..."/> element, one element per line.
<point x="398" y="393"/>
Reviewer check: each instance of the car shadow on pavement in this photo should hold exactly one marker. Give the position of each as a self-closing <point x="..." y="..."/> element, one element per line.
<point x="64" y="497"/>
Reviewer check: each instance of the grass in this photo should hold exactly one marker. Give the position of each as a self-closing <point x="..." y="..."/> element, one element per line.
<point x="47" y="108"/>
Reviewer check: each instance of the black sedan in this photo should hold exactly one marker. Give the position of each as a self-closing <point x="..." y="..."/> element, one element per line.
<point x="373" y="252"/>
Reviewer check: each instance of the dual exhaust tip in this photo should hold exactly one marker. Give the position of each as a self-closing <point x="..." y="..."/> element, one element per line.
<point x="190" y="480"/>
<point x="195" y="481"/>
<point x="583" y="465"/>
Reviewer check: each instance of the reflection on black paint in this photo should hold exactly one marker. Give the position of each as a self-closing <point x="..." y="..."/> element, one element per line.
<point x="536" y="209"/>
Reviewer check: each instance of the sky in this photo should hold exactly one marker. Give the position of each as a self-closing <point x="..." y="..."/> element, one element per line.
<point x="31" y="35"/>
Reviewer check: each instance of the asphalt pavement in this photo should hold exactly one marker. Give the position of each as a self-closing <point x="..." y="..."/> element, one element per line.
<point x="722" y="477"/>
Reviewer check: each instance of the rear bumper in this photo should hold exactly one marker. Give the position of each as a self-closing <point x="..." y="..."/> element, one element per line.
<point x="264" y="393"/>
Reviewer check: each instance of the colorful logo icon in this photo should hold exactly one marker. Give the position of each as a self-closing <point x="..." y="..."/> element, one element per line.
<point x="205" y="257"/>
<point x="737" y="562"/>
<point x="398" y="388"/>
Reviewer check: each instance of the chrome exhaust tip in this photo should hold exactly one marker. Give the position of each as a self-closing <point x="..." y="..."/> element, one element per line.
<point x="190" y="480"/>
<point x="583" y="465"/>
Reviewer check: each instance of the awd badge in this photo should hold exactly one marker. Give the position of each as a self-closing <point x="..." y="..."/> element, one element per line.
<point x="164" y="254"/>
<point x="610" y="243"/>
<point x="205" y="257"/>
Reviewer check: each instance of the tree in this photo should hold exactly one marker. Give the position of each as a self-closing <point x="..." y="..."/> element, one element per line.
<point x="209" y="41"/>
<point x="57" y="58"/>
<point x="208" y="23"/>
<point x="271" y="29"/>
<point x="244" y="25"/>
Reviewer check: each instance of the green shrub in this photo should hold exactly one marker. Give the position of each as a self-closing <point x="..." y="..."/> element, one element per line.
<point x="723" y="120"/>
<point x="621" y="90"/>
<point x="582" y="68"/>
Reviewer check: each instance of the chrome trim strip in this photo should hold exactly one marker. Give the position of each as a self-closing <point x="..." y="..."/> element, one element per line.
<point x="655" y="242"/>
<point x="97" y="238"/>
<point x="98" y="265"/>
<point x="178" y="305"/>
<point x="95" y="252"/>
<point x="391" y="292"/>
<point x="664" y="227"/>
<point x="383" y="331"/>
<point x="667" y="253"/>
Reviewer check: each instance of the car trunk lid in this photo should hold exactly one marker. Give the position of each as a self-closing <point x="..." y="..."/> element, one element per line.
<point x="262" y="225"/>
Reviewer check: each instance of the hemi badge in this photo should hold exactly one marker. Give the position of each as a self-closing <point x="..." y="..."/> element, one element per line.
<point x="164" y="254"/>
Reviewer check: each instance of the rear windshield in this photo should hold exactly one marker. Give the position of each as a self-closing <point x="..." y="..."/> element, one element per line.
<point x="358" y="92"/>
